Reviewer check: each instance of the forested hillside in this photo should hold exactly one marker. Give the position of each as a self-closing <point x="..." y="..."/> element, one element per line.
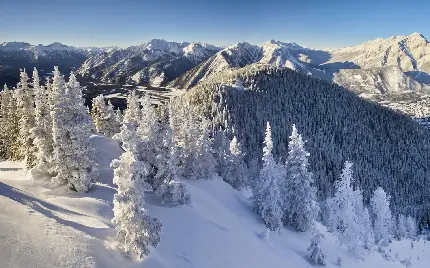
<point x="388" y="148"/>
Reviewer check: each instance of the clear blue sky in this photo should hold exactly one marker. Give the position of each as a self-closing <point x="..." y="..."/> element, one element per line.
<point x="313" y="23"/>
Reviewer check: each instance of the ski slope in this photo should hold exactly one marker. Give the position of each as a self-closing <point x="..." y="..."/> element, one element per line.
<point x="44" y="227"/>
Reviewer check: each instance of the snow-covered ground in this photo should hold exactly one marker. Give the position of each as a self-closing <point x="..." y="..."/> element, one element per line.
<point x="44" y="227"/>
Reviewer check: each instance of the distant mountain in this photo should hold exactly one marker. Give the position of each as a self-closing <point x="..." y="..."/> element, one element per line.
<point x="380" y="67"/>
<point x="153" y="63"/>
<point x="18" y="55"/>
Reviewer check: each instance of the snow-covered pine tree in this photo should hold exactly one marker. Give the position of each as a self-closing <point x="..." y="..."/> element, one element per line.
<point x="119" y="118"/>
<point x="8" y="125"/>
<point x="42" y="131"/>
<point x="315" y="254"/>
<point x="171" y="190"/>
<point x="133" y="113"/>
<point x="104" y="117"/>
<point x="266" y="196"/>
<point x="25" y="109"/>
<point x="236" y="173"/>
<point x="151" y="148"/>
<point x="343" y="218"/>
<point x="73" y="151"/>
<point x="136" y="229"/>
<point x="402" y="229"/>
<point x="411" y="227"/>
<point x="221" y="151"/>
<point x="299" y="196"/>
<point x="367" y="230"/>
<point x="382" y="218"/>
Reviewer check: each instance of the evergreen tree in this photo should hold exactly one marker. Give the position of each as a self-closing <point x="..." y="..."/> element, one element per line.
<point x="9" y="146"/>
<point x="235" y="172"/>
<point x="221" y="151"/>
<point x="73" y="152"/>
<point x="136" y="229"/>
<point x="402" y="229"/>
<point x="367" y="230"/>
<point x="299" y="196"/>
<point x="104" y="117"/>
<point x="25" y="109"/>
<point x="382" y="218"/>
<point x="133" y="113"/>
<point x="315" y="254"/>
<point x="344" y="219"/>
<point x="195" y="159"/>
<point x="171" y="189"/>
<point x="266" y="197"/>
<point x="42" y="131"/>
<point x="411" y="227"/>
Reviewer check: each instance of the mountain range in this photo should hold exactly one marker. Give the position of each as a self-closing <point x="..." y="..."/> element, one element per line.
<point x="394" y="72"/>
<point x="21" y="55"/>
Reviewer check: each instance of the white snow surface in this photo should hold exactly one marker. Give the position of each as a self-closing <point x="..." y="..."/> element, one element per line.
<point x="44" y="227"/>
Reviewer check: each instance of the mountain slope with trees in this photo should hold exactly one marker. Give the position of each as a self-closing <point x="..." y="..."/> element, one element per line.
<point x="388" y="149"/>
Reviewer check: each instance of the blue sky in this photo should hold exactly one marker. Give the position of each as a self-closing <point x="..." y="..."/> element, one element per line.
<point x="317" y="24"/>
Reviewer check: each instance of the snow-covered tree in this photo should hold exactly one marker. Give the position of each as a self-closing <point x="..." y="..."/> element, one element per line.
<point x="382" y="218"/>
<point x="411" y="227"/>
<point x="174" y="191"/>
<point x="235" y="173"/>
<point x="133" y="112"/>
<point x="299" y="196"/>
<point x="344" y="219"/>
<point x="104" y="117"/>
<point x="221" y="151"/>
<point x="171" y="189"/>
<point x="25" y="110"/>
<point x="42" y="131"/>
<point x="367" y="230"/>
<point x="73" y="151"/>
<point x="9" y="145"/>
<point x="315" y="253"/>
<point x="402" y="229"/>
<point x="266" y="197"/>
<point x="137" y="231"/>
<point x="195" y="159"/>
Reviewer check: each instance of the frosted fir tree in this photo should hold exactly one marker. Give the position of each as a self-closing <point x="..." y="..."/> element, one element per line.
<point x="137" y="231"/>
<point x="152" y="148"/>
<point x="42" y="131"/>
<point x="315" y="254"/>
<point x="344" y="219"/>
<point x="221" y="151"/>
<point x="73" y="151"/>
<point x="133" y="113"/>
<point x="266" y="197"/>
<point x="367" y="230"/>
<point x="411" y="227"/>
<point x="25" y="110"/>
<point x="382" y="218"/>
<point x="299" y="196"/>
<point x="236" y="171"/>
<point x="104" y="117"/>
<point x="171" y="189"/>
<point x="9" y="125"/>
<point x="203" y="165"/>
<point x="402" y="229"/>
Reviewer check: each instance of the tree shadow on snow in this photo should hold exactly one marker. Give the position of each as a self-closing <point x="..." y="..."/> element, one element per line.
<point x="304" y="255"/>
<point x="49" y="210"/>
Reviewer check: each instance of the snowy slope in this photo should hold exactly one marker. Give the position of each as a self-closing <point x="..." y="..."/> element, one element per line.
<point x="43" y="227"/>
